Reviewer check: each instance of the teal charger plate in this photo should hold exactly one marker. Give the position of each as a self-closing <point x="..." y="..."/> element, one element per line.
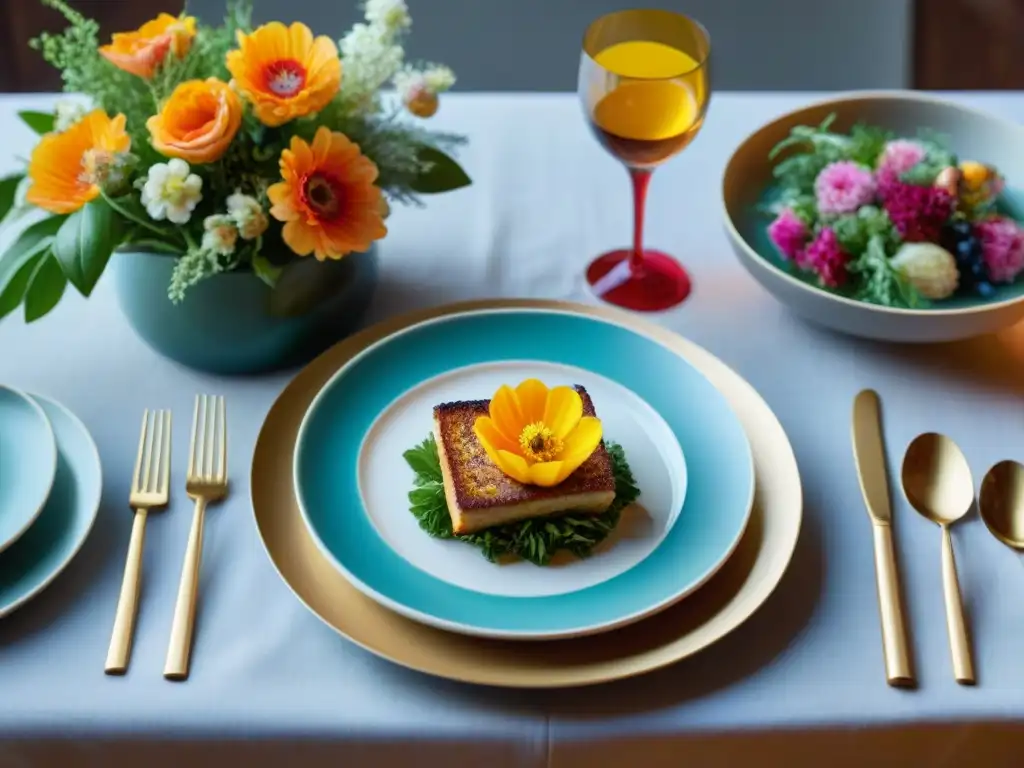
<point x="719" y="463"/>
<point x="38" y="557"/>
<point x="28" y="463"/>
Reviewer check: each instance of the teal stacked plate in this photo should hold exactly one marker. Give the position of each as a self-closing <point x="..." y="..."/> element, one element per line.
<point x="28" y="463"/>
<point x="56" y="535"/>
<point x="686" y="447"/>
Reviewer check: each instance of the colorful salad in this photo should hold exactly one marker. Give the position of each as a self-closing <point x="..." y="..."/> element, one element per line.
<point x="890" y="220"/>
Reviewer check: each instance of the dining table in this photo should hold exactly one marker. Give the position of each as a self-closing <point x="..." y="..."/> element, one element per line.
<point x="800" y="683"/>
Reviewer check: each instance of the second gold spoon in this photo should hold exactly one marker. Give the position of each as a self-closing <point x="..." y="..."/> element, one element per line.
<point x="937" y="483"/>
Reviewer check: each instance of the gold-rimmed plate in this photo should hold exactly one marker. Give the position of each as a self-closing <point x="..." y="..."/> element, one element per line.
<point x="721" y="605"/>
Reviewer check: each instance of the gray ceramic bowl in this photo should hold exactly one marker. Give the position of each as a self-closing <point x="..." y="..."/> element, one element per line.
<point x="972" y="134"/>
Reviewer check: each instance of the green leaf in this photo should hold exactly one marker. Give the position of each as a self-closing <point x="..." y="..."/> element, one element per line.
<point x="45" y="287"/>
<point x="265" y="271"/>
<point x="8" y="192"/>
<point x="29" y="245"/>
<point x="40" y="122"/>
<point x="11" y="296"/>
<point x="85" y="242"/>
<point x="443" y="175"/>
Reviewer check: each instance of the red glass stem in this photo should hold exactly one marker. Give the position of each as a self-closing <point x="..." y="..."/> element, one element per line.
<point x="641" y="179"/>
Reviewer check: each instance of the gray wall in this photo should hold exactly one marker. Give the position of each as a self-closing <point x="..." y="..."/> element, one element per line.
<point x="533" y="45"/>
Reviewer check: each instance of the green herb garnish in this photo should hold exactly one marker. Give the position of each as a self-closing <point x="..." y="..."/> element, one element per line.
<point x="537" y="539"/>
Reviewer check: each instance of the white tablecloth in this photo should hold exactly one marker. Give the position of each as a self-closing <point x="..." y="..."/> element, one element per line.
<point x="800" y="683"/>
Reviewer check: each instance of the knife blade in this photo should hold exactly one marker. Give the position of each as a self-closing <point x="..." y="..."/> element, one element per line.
<point x="869" y="457"/>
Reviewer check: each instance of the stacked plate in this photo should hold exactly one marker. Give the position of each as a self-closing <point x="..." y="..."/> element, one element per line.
<point x="50" y="482"/>
<point x="706" y="542"/>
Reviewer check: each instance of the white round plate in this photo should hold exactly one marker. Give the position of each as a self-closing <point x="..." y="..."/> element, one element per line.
<point x="653" y="452"/>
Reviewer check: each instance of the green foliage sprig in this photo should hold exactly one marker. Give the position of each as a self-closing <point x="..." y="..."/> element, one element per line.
<point x="537" y="539"/>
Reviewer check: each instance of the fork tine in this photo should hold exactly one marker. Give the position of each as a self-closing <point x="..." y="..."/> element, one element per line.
<point x="209" y="437"/>
<point x="155" y="456"/>
<point x="222" y="433"/>
<point x="195" y="447"/>
<point x="138" y="456"/>
<point x="165" y="470"/>
<point x="147" y="464"/>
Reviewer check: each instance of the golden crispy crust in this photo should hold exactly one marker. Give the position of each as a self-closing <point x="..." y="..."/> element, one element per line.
<point x="480" y="495"/>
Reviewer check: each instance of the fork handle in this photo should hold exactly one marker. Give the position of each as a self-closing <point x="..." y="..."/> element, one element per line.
<point x="127" y="604"/>
<point x="180" y="648"/>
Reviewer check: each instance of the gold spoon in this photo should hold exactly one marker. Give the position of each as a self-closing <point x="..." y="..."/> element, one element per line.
<point x="1001" y="503"/>
<point x="937" y="483"/>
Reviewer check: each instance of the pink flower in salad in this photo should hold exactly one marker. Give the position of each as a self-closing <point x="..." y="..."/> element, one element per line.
<point x="825" y="257"/>
<point x="898" y="157"/>
<point x="1002" y="246"/>
<point x="843" y="187"/>
<point x="918" y="213"/>
<point x="789" y="233"/>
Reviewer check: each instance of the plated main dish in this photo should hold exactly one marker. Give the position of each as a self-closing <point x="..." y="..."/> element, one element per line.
<point x="524" y="474"/>
<point x="888" y="219"/>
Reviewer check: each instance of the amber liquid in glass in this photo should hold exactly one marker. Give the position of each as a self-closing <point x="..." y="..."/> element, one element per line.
<point x="645" y="120"/>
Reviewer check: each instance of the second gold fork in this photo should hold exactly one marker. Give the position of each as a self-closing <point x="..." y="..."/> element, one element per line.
<point x="206" y="482"/>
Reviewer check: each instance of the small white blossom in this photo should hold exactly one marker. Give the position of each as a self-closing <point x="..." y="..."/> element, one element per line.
<point x="171" y="192"/>
<point x="390" y="15"/>
<point x="370" y="59"/>
<point x="220" y="236"/>
<point x="439" y="78"/>
<point x="435" y="79"/>
<point x="248" y="215"/>
<point x="66" y="114"/>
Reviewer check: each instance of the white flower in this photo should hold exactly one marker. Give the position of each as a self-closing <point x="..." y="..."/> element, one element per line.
<point x="66" y="114"/>
<point x="930" y="268"/>
<point x="370" y="60"/>
<point x="220" y="236"/>
<point x="390" y="15"/>
<point x="171" y="192"/>
<point x="435" y="78"/>
<point x="439" y="78"/>
<point x="248" y="215"/>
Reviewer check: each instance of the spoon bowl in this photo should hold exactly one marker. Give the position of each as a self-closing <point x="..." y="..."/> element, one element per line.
<point x="937" y="483"/>
<point x="1001" y="503"/>
<point x="937" y="479"/>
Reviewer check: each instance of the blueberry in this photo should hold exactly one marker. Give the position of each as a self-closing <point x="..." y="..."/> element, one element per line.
<point x="984" y="289"/>
<point x="961" y="227"/>
<point x="978" y="270"/>
<point x="965" y="248"/>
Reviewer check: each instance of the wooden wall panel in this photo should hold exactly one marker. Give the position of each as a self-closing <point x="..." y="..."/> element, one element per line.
<point x="969" y="44"/>
<point x="23" y="69"/>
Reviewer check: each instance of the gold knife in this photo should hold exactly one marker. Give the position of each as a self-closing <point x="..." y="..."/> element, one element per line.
<point x="869" y="455"/>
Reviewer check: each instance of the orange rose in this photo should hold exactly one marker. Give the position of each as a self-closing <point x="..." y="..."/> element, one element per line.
<point x="198" y="122"/>
<point x="142" y="51"/>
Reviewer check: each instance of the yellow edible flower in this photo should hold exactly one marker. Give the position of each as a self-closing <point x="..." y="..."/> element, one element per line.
<point x="536" y="435"/>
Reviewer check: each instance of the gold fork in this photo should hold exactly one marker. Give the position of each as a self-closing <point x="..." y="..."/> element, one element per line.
<point x="206" y="482"/>
<point x="150" y="490"/>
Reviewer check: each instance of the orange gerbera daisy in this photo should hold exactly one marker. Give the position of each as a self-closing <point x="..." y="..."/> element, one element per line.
<point x="328" y="201"/>
<point x="142" y="51"/>
<point x="284" y="72"/>
<point x="62" y="164"/>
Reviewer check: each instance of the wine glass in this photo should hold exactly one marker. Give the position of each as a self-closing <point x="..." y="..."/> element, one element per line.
<point x="644" y="85"/>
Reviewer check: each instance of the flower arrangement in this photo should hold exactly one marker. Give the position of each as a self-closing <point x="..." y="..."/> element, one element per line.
<point x="226" y="147"/>
<point x="890" y="220"/>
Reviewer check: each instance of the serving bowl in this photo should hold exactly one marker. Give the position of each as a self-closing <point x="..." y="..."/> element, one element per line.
<point x="971" y="134"/>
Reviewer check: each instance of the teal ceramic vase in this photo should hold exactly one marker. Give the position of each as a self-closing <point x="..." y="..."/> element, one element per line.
<point x="234" y="323"/>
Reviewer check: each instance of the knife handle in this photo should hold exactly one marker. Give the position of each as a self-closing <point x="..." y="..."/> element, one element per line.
<point x="894" y="632"/>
